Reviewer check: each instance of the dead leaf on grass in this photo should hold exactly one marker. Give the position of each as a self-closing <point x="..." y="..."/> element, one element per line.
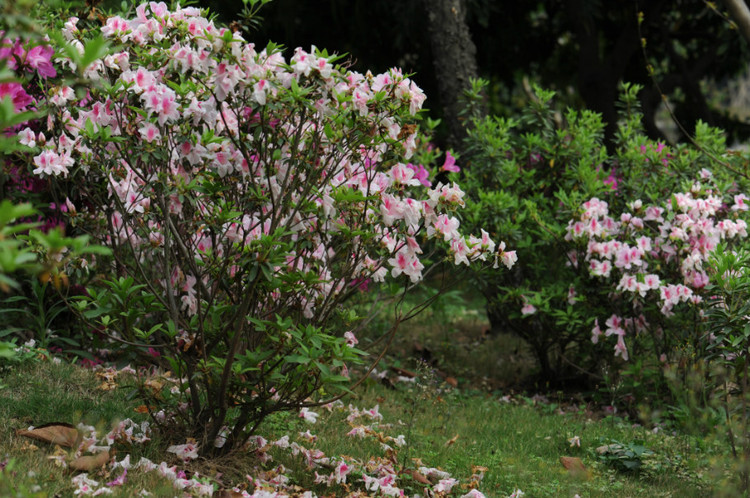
<point x="451" y="441"/>
<point x="228" y="493"/>
<point x="56" y="433"/>
<point x="59" y="457"/>
<point x="141" y="409"/>
<point x="478" y="469"/>
<point x="574" y="465"/>
<point x="418" y="477"/>
<point x="90" y="462"/>
<point x="27" y="446"/>
<point x="108" y="377"/>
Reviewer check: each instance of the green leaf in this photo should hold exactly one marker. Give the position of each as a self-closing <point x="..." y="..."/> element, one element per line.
<point x="295" y="358"/>
<point x="93" y="50"/>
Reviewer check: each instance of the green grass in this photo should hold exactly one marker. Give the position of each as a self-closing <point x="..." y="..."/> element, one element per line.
<point x="521" y="446"/>
<point x="41" y="392"/>
<point x="518" y="442"/>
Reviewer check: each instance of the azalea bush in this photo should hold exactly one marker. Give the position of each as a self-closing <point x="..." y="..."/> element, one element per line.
<point x="651" y="259"/>
<point x="34" y="249"/>
<point x="245" y="198"/>
<point x="526" y="176"/>
<point x="619" y="239"/>
<point x="646" y="249"/>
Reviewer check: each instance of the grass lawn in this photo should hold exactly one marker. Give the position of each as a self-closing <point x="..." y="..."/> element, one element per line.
<point x="518" y="441"/>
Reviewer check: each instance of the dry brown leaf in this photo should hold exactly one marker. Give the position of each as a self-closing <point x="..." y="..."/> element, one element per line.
<point x="27" y="446"/>
<point x="451" y="381"/>
<point x="154" y="385"/>
<point x="451" y="441"/>
<point x="90" y="462"/>
<point x="574" y="465"/>
<point x="419" y="477"/>
<point x="141" y="409"/>
<point x="56" y="433"/>
<point x="59" y="456"/>
<point x="228" y="493"/>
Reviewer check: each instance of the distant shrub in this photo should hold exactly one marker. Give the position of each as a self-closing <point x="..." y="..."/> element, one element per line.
<point x="612" y="245"/>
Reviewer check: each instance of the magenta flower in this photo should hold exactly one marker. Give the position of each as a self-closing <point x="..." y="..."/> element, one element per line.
<point x="420" y="173"/>
<point x="120" y="480"/>
<point x="611" y="180"/>
<point x="17" y="94"/>
<point x="450" y="163"/>
<point x="8" y="51"/>
<point x="40" y="59"/>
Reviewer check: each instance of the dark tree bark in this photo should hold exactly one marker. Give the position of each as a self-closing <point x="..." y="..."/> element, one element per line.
<point x="600" y="68"/>
<point x="454" y="59"/>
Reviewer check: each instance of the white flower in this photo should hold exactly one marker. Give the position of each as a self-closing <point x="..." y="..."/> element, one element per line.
<point x="308" y="415"/>
<point x="186" y="452"/>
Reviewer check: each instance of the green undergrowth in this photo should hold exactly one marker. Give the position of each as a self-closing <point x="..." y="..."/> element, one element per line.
<point x="519" y="441"/>
<point x="453" y="336"/>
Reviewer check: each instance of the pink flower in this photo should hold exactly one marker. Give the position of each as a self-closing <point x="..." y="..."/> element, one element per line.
<point x="308" y="415"/>
<point x="596" y="332"/>
<point x="614" y="326"/>
<point x="450" y="163"/>
<point x="17" y="94"/>
<point x="509" y="258"/>
<point x="351" y="340"/>
<point x="420" y="173"/>
<point x="528" y="309"/>
<point x="391" y="209"/>
<point x="341" y="471"/>
<point x="445" y="485"/>
<point x="739" y="203"/>
<point x="406" y="262"/>
<point x="39" y="58"/>
<point x="120" y="480"/>
<point x="51" y="163"/>
<point x="149" y="132"/>
<point x="611" y="180"/>
<point x="620" y="348"/>
<point x="27" y="137"/>
<point x="473" y="494"/>
<point x="404" y="175"/>
<point x="571" y="295"/>
<point x="447" y="227"/>
<point x="185" y="452"/>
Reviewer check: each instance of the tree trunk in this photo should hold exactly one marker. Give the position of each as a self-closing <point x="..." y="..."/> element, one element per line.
<point x="741" y="15"/>
<point x="454" y="59"/>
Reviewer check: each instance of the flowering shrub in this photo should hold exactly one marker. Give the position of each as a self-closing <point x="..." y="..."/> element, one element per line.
<point x="246" y="197"/>
<point x="651" y="258"/>
<point x="630" y="263"/>
<point x="33" y="244"/>
<point x="526" y="177"/>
